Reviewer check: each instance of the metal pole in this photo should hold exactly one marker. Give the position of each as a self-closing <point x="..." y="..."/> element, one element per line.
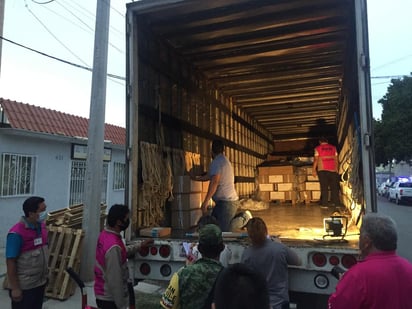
<point x="94" y="168"/>
<point x="1" y="27"/>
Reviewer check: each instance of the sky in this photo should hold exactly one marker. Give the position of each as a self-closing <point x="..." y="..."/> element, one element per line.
<point x="65" y="29"/>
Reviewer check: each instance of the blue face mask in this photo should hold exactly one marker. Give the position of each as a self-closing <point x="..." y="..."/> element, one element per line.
<point x="42" y="216"/>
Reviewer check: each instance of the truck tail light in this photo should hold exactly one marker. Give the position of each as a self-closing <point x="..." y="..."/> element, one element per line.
<point x="145" y="269"/>
<point x="153" y="250"/>
<point x="319" y="259"/>
<point x="348" y="261"/>
<point x="334" y="260"/>
<point x="165" y="270"/>
<point x="144" y="251"/>
<point x="164" y="251"/>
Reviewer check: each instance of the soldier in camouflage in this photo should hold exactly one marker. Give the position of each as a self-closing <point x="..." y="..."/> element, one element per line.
<point x="191" y="285"/>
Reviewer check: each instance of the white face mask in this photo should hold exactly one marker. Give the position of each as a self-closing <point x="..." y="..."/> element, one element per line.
<point x="42" y="216"/>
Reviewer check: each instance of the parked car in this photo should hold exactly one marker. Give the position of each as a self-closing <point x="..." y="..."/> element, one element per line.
<point x="400" y="192"/>
<point x="382" y="189"/>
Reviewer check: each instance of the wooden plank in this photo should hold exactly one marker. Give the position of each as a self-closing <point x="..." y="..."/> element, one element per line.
<point x="65" y="247"/>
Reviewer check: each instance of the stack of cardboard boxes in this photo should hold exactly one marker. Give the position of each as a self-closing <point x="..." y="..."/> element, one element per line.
<point x="186" y="205"/>
<point x="288" y="183"/>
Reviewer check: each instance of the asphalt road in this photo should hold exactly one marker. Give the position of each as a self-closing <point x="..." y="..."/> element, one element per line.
<point x="402" y="214"/>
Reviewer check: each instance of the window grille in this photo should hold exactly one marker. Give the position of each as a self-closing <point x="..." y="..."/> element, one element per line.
<point x="17" y="174"/>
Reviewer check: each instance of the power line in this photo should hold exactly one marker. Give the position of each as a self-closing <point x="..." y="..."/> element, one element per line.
<point x="59" y="59"/>
<point x="391" y="62"/>
<point x="55" y="37"/>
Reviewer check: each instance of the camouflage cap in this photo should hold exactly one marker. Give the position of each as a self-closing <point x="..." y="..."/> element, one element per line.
<point x="210" y="235"/>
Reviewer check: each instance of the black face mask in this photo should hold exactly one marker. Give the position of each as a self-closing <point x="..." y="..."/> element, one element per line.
<point x="125" y="224"/>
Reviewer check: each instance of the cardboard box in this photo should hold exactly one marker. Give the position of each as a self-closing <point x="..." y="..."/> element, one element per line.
<point x="264" y="196"/>
<point x="263" y="179"/>
<point x="275" y="178"/>
<point x="266" y="187"/>
<point x="185" y="219"/>
<point x="289" y="178"/>
<point x="156" y="232"/>
<point x="276" y="170"/>
<point x="183" y="184"/>
<point x="186" y="201"/>
<point x="315" y="195"/>
<point x="286" y="186"/>
<point x="313" y="185"/>
<point x="277" y="195"/>
<point x="205" y="186"/>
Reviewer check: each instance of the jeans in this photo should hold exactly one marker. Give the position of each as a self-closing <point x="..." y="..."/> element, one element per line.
<point x="329" y="180"/>
<point x="224" y="211"/>
<point x="32" y="299"/>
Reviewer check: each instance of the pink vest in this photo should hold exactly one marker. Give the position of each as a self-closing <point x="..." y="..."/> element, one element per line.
<point x="106" y="241"/>
<point x="32" y="269"/>
<point x="327" y="153"/>
<point x="30" y="235"/>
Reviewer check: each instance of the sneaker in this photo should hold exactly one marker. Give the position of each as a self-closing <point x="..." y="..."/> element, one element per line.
<point x="247" y="215"/>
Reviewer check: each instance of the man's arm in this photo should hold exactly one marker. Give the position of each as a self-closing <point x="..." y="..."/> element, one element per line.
<point x="214" y="182"/>
<point x="13" y="248"/>
<point x="292" y="257"/>
<point x="13" y="280"/>
<point x="315" y="166"/>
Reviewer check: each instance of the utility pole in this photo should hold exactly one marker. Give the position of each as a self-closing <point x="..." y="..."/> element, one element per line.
<point x="95" y="144"/>
<point x="1" y="27"/>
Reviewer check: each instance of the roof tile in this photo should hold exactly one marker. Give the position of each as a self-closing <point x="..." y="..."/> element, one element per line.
<point x="39" y="119"/>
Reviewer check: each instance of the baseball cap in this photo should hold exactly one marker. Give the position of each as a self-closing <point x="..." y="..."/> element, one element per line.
<point x="210" y="235"/>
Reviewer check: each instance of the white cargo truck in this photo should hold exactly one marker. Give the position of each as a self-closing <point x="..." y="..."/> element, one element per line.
<point x="268" y="77"/>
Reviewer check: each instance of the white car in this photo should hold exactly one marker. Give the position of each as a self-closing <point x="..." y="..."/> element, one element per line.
<point x="400" y="192"/>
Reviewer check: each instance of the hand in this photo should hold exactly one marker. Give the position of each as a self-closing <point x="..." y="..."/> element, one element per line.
<point x="205" y="208"/>
<point x="314" y="174"/>
<point x="16" y="295"/>
<point x="146" y="242"/>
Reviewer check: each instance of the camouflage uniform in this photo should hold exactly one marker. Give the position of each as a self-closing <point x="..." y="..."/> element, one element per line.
<point x="191" y="285"/>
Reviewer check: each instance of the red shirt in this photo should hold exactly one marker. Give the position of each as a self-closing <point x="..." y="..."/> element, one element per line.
<point x="382" y="281"/>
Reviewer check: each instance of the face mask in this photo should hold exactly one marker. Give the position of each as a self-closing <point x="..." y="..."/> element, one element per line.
<point x="125" y="224"/>
<point x="42" y="216"/>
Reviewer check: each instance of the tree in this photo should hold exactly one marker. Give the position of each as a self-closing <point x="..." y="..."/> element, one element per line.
<point x="393" y="134"/>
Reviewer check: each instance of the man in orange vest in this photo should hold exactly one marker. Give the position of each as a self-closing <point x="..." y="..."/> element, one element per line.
<point x="325" y="166"/>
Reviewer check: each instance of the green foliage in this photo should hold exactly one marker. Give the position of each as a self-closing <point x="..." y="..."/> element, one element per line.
<point x="393" y="134"/>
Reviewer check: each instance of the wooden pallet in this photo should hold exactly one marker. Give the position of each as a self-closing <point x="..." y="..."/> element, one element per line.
<point x="72" y="216"/>
<point x="65" y="248"/>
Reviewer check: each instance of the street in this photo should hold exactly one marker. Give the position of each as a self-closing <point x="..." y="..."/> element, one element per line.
<point x="402" y="214"/>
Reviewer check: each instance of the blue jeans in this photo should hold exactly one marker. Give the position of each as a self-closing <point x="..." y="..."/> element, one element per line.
<point x="224" y="211"/>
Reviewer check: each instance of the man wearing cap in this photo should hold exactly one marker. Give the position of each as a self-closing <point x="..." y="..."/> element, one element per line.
<point x="191" y="285"/>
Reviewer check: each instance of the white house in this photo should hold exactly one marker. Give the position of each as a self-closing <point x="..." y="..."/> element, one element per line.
<point x="43" y="153"/>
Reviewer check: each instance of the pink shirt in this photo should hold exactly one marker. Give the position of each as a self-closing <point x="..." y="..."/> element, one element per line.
<point x="382" y="281"/>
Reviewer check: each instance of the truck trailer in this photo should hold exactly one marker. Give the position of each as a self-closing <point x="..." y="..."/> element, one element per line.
<point x="268" y="78"/>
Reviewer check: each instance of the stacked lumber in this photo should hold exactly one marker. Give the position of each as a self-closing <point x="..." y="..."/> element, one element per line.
<point x="72" y="216"/>
<point x="65" y="249"/>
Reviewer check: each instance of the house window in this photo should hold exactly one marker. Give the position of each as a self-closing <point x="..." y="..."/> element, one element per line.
<point x="17" y="174"/>
<point x="119" y="176"/>
<point x="77" y="182"/>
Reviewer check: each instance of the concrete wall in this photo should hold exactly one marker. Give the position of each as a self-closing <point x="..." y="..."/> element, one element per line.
<point x="52" y="174"/>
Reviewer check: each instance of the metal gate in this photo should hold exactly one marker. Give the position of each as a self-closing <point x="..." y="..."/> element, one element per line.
<point x="77" y="182"/>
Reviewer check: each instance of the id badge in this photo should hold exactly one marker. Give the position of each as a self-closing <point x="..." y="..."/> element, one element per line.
<point x="38" y="241"/>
